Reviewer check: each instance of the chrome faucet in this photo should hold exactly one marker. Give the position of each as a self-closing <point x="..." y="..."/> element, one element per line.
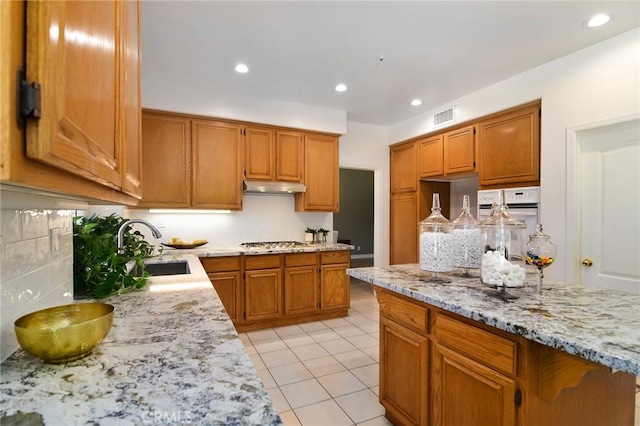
<point x="123" y="227"/>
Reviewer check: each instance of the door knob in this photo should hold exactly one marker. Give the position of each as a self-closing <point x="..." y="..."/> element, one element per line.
<point x="587" y="262"/>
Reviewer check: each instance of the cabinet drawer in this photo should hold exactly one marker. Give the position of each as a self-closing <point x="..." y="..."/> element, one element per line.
<point x="491" y="350"/>
<point x="403" y="311"/>
<point x="264" y="261"/>
<point x="221" y="264"/>
<point x="334" y="257"/>
<point x="300" y="259"/>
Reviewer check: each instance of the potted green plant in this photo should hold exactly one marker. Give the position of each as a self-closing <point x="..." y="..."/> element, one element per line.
<point x="324" y="233"/>
<point x="310" y="235"/>
<point x="99" y="271"/>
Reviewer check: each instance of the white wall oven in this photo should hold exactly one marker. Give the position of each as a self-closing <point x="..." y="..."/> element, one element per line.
<point x="523" y="204"/>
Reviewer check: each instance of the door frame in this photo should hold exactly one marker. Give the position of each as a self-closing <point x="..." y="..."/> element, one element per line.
<point x="573" y="240"/>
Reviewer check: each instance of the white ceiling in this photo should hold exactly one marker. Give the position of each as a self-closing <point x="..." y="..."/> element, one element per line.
<point x="298" y="51"/>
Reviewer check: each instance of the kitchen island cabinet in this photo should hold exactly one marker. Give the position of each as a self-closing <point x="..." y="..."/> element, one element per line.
<point x="567" y="355"/>
<point x="86" y="142"/>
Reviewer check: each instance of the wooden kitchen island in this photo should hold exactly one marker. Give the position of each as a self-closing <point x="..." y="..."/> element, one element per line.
<point x="455" y="354"/>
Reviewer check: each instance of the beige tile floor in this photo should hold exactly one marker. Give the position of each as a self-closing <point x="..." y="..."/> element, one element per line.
<point x="325" y="373"/>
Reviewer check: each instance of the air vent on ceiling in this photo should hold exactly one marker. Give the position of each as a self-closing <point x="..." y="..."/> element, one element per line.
<point x="444" y="117"/>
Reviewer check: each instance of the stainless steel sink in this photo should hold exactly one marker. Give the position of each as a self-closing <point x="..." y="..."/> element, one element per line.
<point x="158" y="269"/>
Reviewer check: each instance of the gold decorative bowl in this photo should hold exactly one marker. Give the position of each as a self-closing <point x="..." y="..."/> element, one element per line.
<point x="64" y="333"/>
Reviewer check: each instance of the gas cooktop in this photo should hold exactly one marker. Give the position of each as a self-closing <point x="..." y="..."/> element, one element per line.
<point x="273" y="244"/>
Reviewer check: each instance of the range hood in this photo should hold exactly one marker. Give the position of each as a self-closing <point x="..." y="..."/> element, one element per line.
<point x="271" y="187"/>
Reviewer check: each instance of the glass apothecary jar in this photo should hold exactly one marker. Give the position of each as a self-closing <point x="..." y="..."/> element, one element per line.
<point x="436" y="242"/>
<point x="466" y="239"/>
<point x="539" y="252"/>
<point x="502" y="240"/>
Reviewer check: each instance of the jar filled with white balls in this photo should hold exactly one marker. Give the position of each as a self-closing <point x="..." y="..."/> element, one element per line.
<point x="436" y="243"/>
<point x="502" y="239"/>
<point x="466" y="239"/>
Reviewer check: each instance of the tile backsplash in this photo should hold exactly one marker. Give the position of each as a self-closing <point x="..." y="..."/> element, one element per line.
<point x="36" y="265"/>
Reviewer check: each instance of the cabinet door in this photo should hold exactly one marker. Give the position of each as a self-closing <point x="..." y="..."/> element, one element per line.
<point x="227" y="285"/>
<point x="131" y="108"/>
<point x="468" y="393"/>
<point x="404" y="374"/>
<point x="403" y="163"/>
<point x="334" y="287"/>
<point x="259" y="153"/>
<point x="320" y="175"/>
<point x="459" y="151"/>
<point x="300" y="290"/>
<point x="404" y="229"/>
<point x="509" y="147"/>
<point x="217" y="165"/>
<point x="431" y="156"/>
<point x="73" y="52"/>
<point x="263" y="294"/>
<point x="289" y="156"/>
<point x="166" y="154"/>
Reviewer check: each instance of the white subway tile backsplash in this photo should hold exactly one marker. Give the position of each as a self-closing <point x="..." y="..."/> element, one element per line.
<point x="35" y="223"/>
<point x="36" y="266"/>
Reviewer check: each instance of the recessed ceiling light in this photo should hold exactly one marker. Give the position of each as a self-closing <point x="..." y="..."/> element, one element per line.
<point x="341" y="88"/>
<point x="416" y="102"/>
<point x="598" y="20"/>
<point x="242" y="68"/>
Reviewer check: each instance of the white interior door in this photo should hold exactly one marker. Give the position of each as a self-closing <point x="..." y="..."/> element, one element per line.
<point x="609" y="170"/>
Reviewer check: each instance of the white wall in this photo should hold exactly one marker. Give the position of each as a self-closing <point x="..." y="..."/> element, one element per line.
<point x="597" y="83"/>
<point x="365" y="147"/>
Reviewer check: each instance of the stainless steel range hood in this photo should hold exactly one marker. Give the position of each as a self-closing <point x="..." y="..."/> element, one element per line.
<point x="271" y="187"/>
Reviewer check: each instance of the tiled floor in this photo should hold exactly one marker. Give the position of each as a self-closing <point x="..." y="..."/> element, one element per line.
<point x="326" y="372"/>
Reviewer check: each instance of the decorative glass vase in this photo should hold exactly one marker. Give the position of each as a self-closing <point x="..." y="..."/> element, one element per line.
<point x="466" y="240"/>
<point x="436" y="243"/>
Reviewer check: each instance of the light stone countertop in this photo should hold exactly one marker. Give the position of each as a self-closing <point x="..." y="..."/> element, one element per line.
<point x="597" y="324"/>
<point x="171" y="357"/>
<point x="209" y="250"/>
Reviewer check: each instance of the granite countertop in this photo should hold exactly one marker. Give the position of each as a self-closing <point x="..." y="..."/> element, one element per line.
<point x="171" y="357"/>
<point x="209" y="250"/>
<point x="597" y="324"/>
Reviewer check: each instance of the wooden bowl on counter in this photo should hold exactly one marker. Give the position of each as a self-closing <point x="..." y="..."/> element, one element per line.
<point x="64" y="333"/>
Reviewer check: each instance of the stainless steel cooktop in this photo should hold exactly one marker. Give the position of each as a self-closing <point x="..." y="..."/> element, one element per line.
<point x="272" y="244"/>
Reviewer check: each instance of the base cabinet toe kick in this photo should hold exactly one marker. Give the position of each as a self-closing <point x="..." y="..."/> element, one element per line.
<point x="440" y="368"/>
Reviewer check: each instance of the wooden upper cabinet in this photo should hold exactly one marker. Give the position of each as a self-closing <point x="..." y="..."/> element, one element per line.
<point x="259" y="153"/>
<point x="403" y="165"/>
<point x="321" y="175"/>
<point x="78" y="51"/>
<point x="459" y="151"/>
<point x="166" y="170"/>
<point x="289" y="156"/>
<point x="130" y="83"/>
<point x="216" y="165"/>
<point x="431" y="154"/>
<point x="509" y="147"/>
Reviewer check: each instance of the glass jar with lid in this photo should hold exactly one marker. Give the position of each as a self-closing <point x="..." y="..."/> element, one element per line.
<point x="502" y="240"/>
<point x="436" y="242"/>
<point x="466" y="239"/>
<point x="539" y="252"/>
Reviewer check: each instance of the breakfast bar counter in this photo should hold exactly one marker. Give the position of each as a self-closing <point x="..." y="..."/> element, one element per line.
<point x="171" y="357"/>
<point x="562" y="355"/>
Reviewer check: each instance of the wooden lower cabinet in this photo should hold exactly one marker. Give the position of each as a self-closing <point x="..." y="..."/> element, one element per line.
<point x="271" y="290"/>
<point x="440" y="369"/>
<point x="404" y="374"/>
<point x="263" y="294"/>
<point x="469" y="393"/>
